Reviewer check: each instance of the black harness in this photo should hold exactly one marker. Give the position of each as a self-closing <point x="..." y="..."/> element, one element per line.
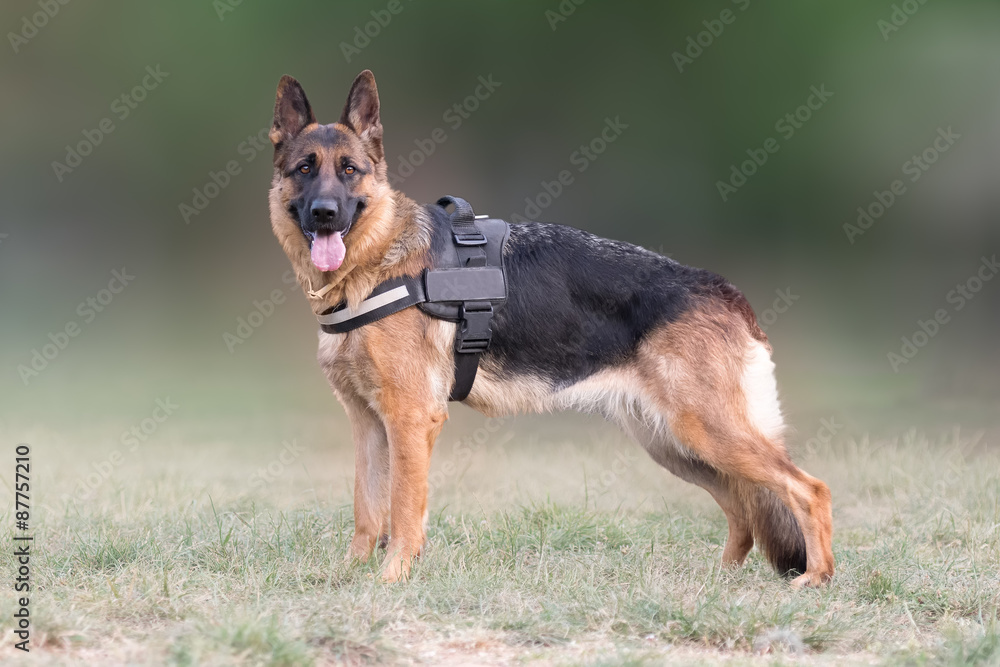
<point x="466" y="284"/>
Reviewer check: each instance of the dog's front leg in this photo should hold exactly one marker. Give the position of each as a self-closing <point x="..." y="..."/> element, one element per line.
<point x="411" y="367"/>
<point x="371" y="479"/>
<point x="412" y="427"/>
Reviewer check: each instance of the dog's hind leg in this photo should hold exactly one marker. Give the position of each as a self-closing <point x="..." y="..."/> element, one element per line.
<point x="668" y="454"/>
<point x="764" y="463"/>
<point x="713" y="383"/>
<point x="740" y="540"/>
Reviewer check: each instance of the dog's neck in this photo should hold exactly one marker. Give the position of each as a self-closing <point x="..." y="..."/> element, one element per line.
<point x="394" y="240"/>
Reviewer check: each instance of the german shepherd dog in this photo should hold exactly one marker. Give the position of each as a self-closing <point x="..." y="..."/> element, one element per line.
<point x="672" y="354"/>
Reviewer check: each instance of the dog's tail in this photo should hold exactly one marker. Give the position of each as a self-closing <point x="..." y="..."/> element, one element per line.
<point x="775" y="531"/>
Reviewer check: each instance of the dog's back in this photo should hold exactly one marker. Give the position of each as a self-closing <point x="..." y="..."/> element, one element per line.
<point x="597" y="297"/>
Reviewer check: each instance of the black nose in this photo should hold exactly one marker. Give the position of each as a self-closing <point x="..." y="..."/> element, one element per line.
<point x="324" y="211"/>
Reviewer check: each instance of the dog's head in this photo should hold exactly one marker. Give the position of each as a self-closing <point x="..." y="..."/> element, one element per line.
<point x="328" y="178"/>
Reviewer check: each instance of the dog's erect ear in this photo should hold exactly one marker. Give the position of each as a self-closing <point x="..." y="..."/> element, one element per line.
<point x="361" y="111"/>
<point x="291" y="111"/>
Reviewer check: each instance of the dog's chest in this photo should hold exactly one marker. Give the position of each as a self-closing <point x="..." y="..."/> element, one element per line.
<point x="414" y="354"/>
<point x="347" y="364"/>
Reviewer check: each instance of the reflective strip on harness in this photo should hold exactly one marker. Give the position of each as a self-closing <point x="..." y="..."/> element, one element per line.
<point x="366" y="306"/>
<point x="390" y="297"/>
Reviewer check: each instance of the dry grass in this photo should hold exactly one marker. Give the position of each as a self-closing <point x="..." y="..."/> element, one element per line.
<point x="565" y="549"/>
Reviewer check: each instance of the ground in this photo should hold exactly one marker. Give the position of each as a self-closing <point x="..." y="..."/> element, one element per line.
<point x="550" y="542"/>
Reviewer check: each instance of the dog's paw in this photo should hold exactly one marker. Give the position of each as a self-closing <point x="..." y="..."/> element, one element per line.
<point x="395" y="569"/>
<point x="398" y="563"/>
<point x="361" y="549"/>
<point x="811" y="580"/>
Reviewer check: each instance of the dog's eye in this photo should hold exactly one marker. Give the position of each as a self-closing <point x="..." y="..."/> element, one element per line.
<point x="349" y="170"/>
<point x="305" y="169"/>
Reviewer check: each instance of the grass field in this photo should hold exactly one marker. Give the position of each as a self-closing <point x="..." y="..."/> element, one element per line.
<point x="560" y="545"/>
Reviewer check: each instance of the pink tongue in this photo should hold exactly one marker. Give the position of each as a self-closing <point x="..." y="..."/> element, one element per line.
<point x="328" y="251"/>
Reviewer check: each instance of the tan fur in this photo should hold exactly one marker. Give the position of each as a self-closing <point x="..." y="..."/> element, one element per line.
<point x="697" y="377"/>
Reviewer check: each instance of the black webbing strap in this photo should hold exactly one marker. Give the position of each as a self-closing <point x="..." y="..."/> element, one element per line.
<point x="390" y="297"/>
<point x="472" y="336"/>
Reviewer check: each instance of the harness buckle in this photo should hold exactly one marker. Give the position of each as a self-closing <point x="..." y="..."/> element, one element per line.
<point x="475" y="334"/>
<point x="470" y="238"/>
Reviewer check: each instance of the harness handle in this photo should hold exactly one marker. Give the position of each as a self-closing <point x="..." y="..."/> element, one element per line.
<point x="463" y="210"/>
<point x="463" y="222"/>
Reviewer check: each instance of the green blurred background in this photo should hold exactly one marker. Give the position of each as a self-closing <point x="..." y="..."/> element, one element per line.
<point x="562" y="70"/>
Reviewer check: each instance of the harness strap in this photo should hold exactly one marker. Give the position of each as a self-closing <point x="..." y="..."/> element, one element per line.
<point x="389" y="297"/>
<point x="472" y="338"/>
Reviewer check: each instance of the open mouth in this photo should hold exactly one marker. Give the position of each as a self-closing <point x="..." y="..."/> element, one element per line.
<point x="327" y="249"/>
